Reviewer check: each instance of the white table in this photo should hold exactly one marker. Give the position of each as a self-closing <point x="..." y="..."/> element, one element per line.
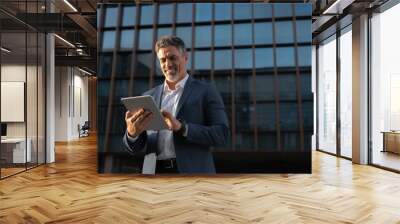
<point x="18" y="149"/>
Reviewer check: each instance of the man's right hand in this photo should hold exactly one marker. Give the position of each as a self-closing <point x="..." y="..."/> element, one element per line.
<point x="137" y="121"/>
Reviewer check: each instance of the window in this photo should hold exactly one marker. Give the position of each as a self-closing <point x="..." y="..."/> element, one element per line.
<point x="108" y="40"/>
<point x="184" y="14"/>
<point x="147" y="15"/>
<point x="262" y="10"/>
<point x="284" y="32"/>
<point x="129" y="16"/>
<point x="285" y="57"/>
<point x="222" y="35"/>
<point x="242" y="10"/>
<point x="185" y="33"/>
<point x="264" y="58"/>
<point x="223" y="11"/>
<point x="127" y="39"/>
<point x="203" y="36"/>
<point x="282" y="10"/>
<point x="145" y="39"/>
<point x="202" y="60"/>
<point x="164" y="31"/>
<point x="203" y="12"/>
<point x="303" y="31"/>
<point x="262" y="33"/>
<point x="327" y="95"/>
<point x="243" y="59"/>
<point x="111" y="17"/>
<point x="165" y="14"/>
<point x="242" y="34"/>
<point x="222" y="60"/>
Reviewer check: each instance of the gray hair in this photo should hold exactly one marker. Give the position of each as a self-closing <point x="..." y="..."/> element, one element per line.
<point x="166" y="41"/>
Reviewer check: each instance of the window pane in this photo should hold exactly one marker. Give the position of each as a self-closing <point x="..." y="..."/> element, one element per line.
<point x="262" y="10"/>
<point x="164" y="31"/>
<point x="346" y="94"/>
<point x="264" y="58"/>
<point x="223" y="11"/>
<point x="265" y="88"/>
<point x="287" y="87"/>
<point x="243" y="59"/>
<point x="327" y="96"/>
<point x="203" y="60"/>
<point x="303" y="30"/>
<point x="105" y="65"/>
<point x="304" y="55"/>
<point x="165" y="14"/>
<point x="185" y="33"/>
<point x="147" y="14"/>
<point x="242" y="34"/>
<point x="143" y="64"/>
<point x="145" y="39"/>
<point x="203" y="36"/>
<point x="263" y="33"/>
<point x="222" y="35"/>
<point x="284" y="32"/>
<point x="123" y="64"/>
<point x="127" y="39"/>
<point x="108" y="40"/>
<point x="129" y="18"/>
<point x="184" y="14"/>
<point x="242" y="10"/>
<point x="111" y="17"/>
<point x="285" y="57"/>
<point x="282" y="10"/>
<point x="203" y="12"/>
<point x="223" y="60"/>
<point x="303" y="9"/>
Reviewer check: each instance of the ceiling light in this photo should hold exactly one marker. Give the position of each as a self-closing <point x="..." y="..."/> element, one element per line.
<point x="5" y="49"/>
<point x="70" y="5"/>
<point x="64" y="40"/>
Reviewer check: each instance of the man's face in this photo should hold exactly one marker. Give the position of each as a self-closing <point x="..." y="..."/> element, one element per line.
<point x="173" y="63"/>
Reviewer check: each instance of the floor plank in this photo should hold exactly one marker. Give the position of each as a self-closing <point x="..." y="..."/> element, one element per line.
<point x="71" y="191"/>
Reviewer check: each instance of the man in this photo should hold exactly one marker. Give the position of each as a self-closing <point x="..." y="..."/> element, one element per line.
<point x="193" y="111"/>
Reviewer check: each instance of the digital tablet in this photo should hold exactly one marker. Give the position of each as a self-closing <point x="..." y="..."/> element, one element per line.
<point x="148" y="103"/>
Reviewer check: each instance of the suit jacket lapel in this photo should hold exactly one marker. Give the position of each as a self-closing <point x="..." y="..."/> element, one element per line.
<point x="186" y="92"/>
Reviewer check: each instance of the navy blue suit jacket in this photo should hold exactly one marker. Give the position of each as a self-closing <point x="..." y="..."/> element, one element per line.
<point x="202" y="108"/>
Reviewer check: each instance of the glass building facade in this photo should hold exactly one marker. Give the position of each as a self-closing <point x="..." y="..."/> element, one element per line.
<point x="258" y="55"/>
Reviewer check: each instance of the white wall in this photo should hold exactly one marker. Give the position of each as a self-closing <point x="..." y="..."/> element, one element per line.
<point x="71" y="102"/>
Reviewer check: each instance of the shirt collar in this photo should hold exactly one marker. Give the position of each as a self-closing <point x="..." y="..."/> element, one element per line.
<point x="180" y="84"/>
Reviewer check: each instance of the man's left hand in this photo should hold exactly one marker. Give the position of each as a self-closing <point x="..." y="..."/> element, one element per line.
<point x="173" y="123"/>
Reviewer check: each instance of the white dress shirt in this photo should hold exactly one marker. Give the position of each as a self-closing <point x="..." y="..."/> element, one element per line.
<point x="169" y="102"/>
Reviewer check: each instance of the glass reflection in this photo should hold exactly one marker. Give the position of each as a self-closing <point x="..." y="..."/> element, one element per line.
<point x="203" y="12"/>
<point x="243" y="34"/>
<point x="108" y="40"/>
<point x="223" y="11"/>
<point x="145" y="39"/>
<point x="127" y="39"/>
<point x="165" y="14"/>
<point x="243" y="59"/>
<point x="203" y="36"/>
<point x="184" y="14"/>
<point x="129" y="16"/>
<point x="147" y="14"/>
<point x="111" y="17"/>
<point x="222" y="35"/>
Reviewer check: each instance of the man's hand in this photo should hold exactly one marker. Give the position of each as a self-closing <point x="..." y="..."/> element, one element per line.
<point x="172" y="122"/>
<point x="137" y="121"/>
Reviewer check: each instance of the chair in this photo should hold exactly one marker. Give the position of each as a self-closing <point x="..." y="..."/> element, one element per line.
<point x="84" y="130"/>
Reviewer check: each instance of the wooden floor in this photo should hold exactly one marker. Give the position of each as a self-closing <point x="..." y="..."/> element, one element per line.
<point x="71" y="191"/>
